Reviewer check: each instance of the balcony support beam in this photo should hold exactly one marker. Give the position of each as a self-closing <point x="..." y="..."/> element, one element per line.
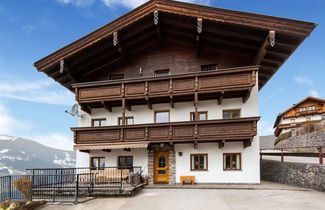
<point x="106" y="106"/>
<point x="171" y="101"/>
<point x="149" y="104"/>
<point x="246" y="96"/>
<point x="85" y="109"/>
<point x="247" y="143"/>
<point x="220" y="99"/>
<point x="107" y="150"/>
<point x="128" y="106"/>
<point x="221" y="144"/>
<point x="196" y="103"/>
<point x="123" y="111"/>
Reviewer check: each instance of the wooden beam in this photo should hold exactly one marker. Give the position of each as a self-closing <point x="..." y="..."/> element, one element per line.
<point x="171" y="101"/>
<point x="247" y="143"/>
<point x="128" y="106"/>
<point x="157" y="26"/>
<point x="221" y="144"/>
<point x="246" y="96"/>
<point x="220" y="99"/>
<point x="149" y="104"/>
<point x="86" y="151"/>
<point x="106" y="150"/>
<point x="196" y="103"/>
<point x="127" y="149"/>
<point x="199" y="30"/>
<point x="262" y="50"/>
<point x="195" y="145"/>
<point x="106" y="106"/>
<point x="85" y="109"/>
<point x="123" y="111"/>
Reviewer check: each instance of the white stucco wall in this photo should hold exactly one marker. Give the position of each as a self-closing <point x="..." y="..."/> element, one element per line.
<point x="249" y="173"/>
<point x="140" y="158"/>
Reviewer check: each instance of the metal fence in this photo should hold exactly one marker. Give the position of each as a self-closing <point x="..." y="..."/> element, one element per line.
<point x="70" y="184"/>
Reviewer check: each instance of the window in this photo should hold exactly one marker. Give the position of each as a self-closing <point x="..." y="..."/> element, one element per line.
<point x="231" y="114"/>
<point x="160" y="73"/>
<point x="161" y="116"/>
<point x="97" y="162"/>
<point x="98" y="122"/>
<point x="200" y="116"/>
<point x="125" y="161"/>
<point x="311" y="108"/>
<point x="209" y="67"/>
<point x="231" y="161"/>
<point x="199" y="162"/>
<point x="128" y="121"/>
<point x="308" y="118"/>
<point x="292" y="120"/>
<point x="117" y="76"/>
<point x="302" y="109"/>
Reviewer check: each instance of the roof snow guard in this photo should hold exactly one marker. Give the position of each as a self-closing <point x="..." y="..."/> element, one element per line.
<point x="232" y="31"/>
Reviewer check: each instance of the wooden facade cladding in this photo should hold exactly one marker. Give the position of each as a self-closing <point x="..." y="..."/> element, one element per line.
<point x="242" y="129"/>
<point x="236" y="82"/>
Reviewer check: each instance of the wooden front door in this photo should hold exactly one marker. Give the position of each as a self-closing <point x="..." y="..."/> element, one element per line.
<point x="161" y="167"/>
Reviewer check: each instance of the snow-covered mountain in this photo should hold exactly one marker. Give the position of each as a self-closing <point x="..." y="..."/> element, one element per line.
<point x="17" y="154"/>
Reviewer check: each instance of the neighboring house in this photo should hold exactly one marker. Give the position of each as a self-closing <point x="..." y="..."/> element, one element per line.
<point x="310" y="110"/>
<point x="173" y="87"/>
<point x="267" y="142"/>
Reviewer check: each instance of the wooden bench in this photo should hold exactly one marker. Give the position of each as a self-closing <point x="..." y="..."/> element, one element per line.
<point x="187" y="179"/>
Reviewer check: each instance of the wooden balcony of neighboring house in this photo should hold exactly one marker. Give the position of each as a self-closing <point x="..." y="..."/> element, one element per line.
<point x="222" y="130"/>
<point x="309" y="112"/>
<point x="218" y="84"/>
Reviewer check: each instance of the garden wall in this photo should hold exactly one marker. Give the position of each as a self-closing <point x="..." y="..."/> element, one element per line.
<point x="306" y="175"/>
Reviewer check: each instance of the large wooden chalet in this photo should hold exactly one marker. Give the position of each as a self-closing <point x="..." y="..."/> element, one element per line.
<point x="173" y="87"/>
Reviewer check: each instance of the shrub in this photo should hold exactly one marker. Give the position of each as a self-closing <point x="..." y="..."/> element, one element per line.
<point x="24" y="185"/>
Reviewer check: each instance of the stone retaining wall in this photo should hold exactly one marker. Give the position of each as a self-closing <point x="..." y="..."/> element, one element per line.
<point x="306" y="175"/>
<point x="308" y="140"/>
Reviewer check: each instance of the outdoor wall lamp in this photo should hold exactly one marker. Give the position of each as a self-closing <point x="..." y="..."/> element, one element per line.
<point x="180" y="153"/>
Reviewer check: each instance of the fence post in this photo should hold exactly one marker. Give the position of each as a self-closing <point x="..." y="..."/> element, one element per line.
<point x="321" y="155"/>
<point x="10" y="182"/>
<point x="77" y="190"/>
<point x="281" y="155"/>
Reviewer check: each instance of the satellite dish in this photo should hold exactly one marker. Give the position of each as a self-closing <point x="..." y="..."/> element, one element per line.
<point x="74" y="110"/>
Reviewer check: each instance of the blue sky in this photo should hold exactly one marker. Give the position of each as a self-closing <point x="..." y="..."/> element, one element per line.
<point x="32" y="105"/>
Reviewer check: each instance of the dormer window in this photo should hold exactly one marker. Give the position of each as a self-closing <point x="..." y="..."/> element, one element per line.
<point x="311" y="108"/>
<point x="209" y="67"/>
<point x="302" y="109"/>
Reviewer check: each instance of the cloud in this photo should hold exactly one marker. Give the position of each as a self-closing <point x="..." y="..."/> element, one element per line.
<point x="265" y="128"/>
<point x="28" y="28"/>
<point x="36" y="91"/>
<point x="123" y="3"/>
<point x="55" y="140"/>
<point x="78" y="3"/>
<point x="304" y="80"/>
<point x="8" y="124"/>
<point x="313" y="93"/>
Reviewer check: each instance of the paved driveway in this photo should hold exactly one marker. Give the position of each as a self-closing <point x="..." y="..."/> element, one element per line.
<point x="269" y="197"/>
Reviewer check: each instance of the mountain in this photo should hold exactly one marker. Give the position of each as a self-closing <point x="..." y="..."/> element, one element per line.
<point x="17" y="154"/>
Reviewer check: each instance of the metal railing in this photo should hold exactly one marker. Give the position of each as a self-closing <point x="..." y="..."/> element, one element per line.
<point x="69" y="184"/>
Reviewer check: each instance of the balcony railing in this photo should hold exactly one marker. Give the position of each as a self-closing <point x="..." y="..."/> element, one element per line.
<point x="242" y="129"/>
<point x="309" y="112"/>
<point x="235" y="81"/>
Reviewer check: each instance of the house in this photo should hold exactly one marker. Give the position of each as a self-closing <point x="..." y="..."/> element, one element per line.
<point x="173" y="87"/>
<point x="310" y="110"/>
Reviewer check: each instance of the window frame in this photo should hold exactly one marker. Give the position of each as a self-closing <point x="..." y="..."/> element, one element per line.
<point x="124" y="156"/>
<point x="200" y="154"/>
<point x="100" y="120"/>
<point x="198" y="113"/>
<point x="111" y="77"/>
<point x="156" y="72"/>
<point x="159" y="111"/>
<point x="231" y="156"/>
<point x="92" y="162"/>
<point x="119" y="120"/>
<point x="231" y="111"/>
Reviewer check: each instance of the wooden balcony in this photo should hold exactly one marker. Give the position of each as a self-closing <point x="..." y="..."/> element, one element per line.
<point x="219" y="84"/>
<point x="243" y="129"/>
